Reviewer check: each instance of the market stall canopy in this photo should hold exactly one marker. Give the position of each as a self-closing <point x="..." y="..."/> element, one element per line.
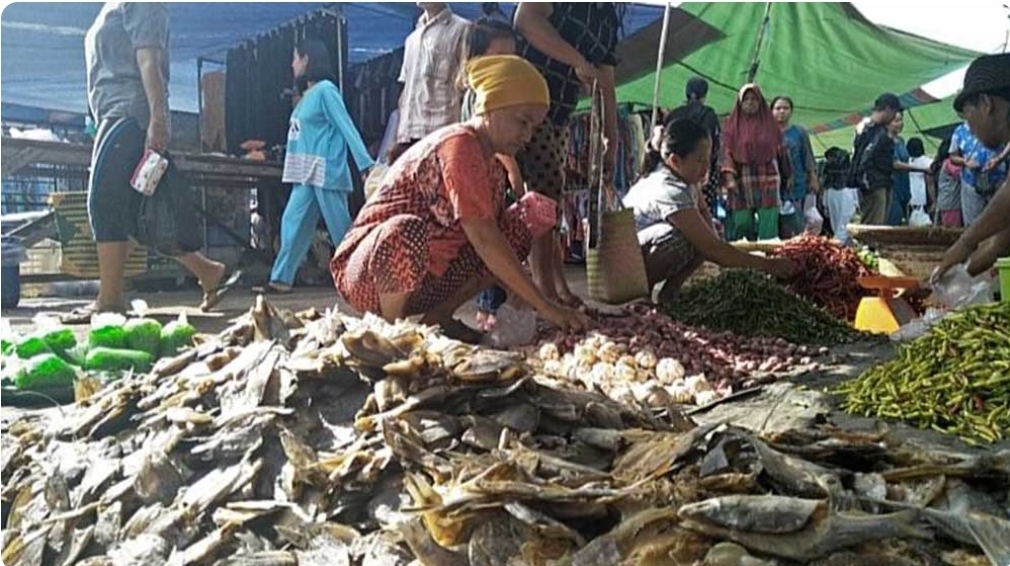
<point x="43" y="43"/>
<point x="828" y="57"/>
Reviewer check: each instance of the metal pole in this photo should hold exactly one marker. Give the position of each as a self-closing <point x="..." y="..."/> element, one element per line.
<point x="340" y="52"/>
<point x="756" y="61"/>
<point x="199" y="101"/>
<point x="659" y="67"/>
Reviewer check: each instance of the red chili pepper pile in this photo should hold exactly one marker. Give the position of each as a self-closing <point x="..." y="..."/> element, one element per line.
<point x="828" y="274"/>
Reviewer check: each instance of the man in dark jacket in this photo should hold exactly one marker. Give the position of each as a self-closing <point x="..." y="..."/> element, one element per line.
<point x="873" y="161"/>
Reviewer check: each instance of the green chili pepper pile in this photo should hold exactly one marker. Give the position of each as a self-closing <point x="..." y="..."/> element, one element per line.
<point x="956" y="379"/>
<point x="750" y="304"/>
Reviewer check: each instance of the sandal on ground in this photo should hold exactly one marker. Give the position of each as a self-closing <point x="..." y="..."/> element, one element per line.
<point x="272" y="288"/>
<point x="82" y="315"/>
<point x="458" y="330"/>
<point x="214" y="297"/>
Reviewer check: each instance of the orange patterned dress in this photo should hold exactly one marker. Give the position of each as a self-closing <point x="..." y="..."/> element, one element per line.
<point x="408" y="237"/>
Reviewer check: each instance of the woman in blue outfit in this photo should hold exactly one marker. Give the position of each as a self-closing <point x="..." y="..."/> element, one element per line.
<point x="801" y="157"/>
<point x="320" y="135"/>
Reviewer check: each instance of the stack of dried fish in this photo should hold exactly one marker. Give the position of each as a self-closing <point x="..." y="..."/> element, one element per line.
<point x="335" y="440"/>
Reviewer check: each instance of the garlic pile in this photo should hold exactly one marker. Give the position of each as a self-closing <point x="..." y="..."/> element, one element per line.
<point x="600" y="364"/>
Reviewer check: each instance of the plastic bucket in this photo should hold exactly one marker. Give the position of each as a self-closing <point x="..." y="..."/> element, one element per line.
<point x="1003" y="266"/>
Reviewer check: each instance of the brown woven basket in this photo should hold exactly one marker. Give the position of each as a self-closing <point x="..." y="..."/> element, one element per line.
<point x="905" y="235"/>
<point x="615" y="268"/>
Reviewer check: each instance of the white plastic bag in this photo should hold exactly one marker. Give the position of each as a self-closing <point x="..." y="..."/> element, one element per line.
<point x="919" y="218"/>
<point x="815" y="222"/>
<point x="514" y="327"/>
<point x="955" y="290"/>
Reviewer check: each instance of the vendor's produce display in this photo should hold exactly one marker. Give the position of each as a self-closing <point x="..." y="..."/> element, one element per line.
<point x="750" y="304"/>
<point x="954" y="379"/>
<point x="828" y="274"/>
<point x="352" y="441"/>
<point x="645" y="356"/>
<point x="52" y="361"/>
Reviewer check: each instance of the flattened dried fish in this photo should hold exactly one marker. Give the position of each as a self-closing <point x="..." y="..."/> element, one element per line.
<point x="427" y="551"/>
<point x="822" y="533"/>
<point x="265" y="558"/>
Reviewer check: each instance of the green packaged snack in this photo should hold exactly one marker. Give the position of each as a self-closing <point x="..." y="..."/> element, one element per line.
<point x="176" y="335"/>
<point x="107" y="337"/>
<point x="60" y="341"/>
<point x="113" y="359"/>
<point x="144" y="335"/>
<point x="31" y="347"/>
<point x="45" y="371"/>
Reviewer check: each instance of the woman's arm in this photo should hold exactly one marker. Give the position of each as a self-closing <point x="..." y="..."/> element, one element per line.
<point x="532" y="22"/>
<point x="492" y="247"/>
<point x="336" y="114"/>
<point x="995" y="161"/>
<point x="699" y="233"/>
<point x="609" y="91"/>
<point x="515" y="174"/>
<point x="991" y="222"/>
<point x="902" y="166"/>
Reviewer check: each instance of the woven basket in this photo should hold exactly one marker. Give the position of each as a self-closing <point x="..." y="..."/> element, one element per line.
<point x="615" y="268"/>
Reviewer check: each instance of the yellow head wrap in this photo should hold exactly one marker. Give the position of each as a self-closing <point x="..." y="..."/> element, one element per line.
<point x="501" y="81"/>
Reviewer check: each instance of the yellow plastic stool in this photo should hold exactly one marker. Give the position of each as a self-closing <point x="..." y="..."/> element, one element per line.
<point x="886" y="312"/>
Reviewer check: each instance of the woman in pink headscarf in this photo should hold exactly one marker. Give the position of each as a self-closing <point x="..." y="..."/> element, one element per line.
<point x="754" y="165"/>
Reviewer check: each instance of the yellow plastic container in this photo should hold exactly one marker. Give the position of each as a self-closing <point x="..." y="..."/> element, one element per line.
<point x="1003" y="266"/>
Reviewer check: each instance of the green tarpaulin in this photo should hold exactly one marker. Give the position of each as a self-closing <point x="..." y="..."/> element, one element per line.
<point x="826" y="56"/>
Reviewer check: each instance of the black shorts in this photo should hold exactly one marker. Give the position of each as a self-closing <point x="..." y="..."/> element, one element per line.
<point x="113" y="205"/>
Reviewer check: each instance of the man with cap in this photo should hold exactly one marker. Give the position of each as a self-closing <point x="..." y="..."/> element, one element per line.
<point x="873" y="161"/>
<point x="984" y="103"/>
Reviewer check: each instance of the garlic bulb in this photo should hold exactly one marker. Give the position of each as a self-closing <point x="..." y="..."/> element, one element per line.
<point x="698" y="383"/>
<point x="625" y="373"/>
<point x="609" y="353"/>
<point x="585" y="353"/>
<point x="642" y="375"/>
<point x="703" y="398"/>
<point x="679" y="394"/>
<point x="549" y="352"/>
<point x="554" y="367"/>
<point x="602" y="372"/>
<point x="669" y="370"/>
<point x="651" y="395"/>
<point x="622" y="394"/>
<point x="645" y="359"/>
<point x="628" y="360"/>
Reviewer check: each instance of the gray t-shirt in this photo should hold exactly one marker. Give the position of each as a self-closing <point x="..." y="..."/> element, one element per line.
<point x="654" y="199"/>
<point x="115" y="89"/>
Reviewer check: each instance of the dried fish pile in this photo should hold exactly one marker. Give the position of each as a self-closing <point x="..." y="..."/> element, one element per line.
<point x="955" y="379"/>
<point x="285" y="441"/>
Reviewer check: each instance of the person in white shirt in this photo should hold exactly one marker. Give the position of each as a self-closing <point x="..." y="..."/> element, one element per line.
<point x="921" y="184"/>
<point x="432" y="58"/>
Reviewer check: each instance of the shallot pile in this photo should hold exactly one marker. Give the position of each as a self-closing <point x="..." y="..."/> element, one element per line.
<point x="828" y="274"/>
<point x="655" y="359"/>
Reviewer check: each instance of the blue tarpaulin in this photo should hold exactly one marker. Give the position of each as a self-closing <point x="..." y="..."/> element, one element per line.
<point x="43" y="43"/>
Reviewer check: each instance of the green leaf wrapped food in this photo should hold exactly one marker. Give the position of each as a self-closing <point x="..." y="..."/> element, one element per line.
<point x="176" y="335"/>
<point x="144" y="335"/>
<point x="113" y="359"/>
<point x="60" y="341"/>
<point x="45" y="371"/>
<point x="32" y="346"/>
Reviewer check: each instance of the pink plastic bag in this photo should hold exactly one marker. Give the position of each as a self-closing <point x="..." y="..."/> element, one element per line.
<point x="539" y="213"/>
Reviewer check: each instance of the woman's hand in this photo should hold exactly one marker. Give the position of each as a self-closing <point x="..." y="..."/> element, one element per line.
<point x="781" y="268"/>
<point x="565" y="318"/>
<point x="972" y="164"/>
<point x="991" y="164"/>
<point x="587" y="73"/>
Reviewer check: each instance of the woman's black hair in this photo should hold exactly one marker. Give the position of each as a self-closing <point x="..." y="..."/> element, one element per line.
<point x="680" y="137"/>
<point x="915" y="147"/>
<point x="786" y="98"/>
<point x="942" y="153"/>
<point x="318" y="68"/>
<point x="493" y="25"/>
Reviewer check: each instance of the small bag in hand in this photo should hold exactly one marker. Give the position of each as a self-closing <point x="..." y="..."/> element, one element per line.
<point x="166" y="220"/>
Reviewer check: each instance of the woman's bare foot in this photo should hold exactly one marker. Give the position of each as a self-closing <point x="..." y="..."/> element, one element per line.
<point x="213" y="279"/>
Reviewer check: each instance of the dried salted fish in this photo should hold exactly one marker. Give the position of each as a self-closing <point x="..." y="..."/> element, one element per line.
<point x="27" y="549"/>
<point x="145" y="550"/>
<point x="324" y="549"/>
<point x="264" y="558"/>
<point x="730" y="554"/>
<point x="821" y="533"/>
<point x="79" y="541"/>
<point x="427" y="551"/>
<point x="369" y="348"/>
